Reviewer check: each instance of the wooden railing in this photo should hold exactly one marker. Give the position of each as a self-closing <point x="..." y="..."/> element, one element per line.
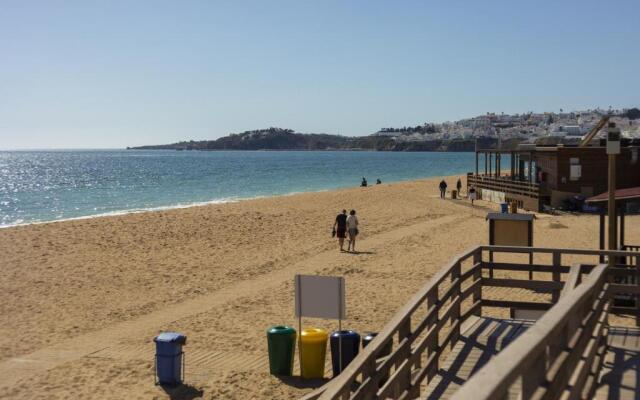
<point x="415" y="332"/>
<point x="429" y="324"/>
<point x="626" y="275"/>
<point x="560" y="356"/>
<point x="504" y="184"/>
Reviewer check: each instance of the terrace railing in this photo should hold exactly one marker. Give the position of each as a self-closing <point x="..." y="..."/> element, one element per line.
<point x="505" y="185"/>
<point x="428" y="326"/>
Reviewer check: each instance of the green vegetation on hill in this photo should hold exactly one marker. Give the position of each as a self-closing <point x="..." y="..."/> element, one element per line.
<point x="287" y="139"/>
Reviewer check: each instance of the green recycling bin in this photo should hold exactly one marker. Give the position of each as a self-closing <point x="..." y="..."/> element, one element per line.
<point x="282" y="346"/>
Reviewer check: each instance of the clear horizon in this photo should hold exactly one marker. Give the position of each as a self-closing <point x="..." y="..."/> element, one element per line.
<point x="91" y="75"/>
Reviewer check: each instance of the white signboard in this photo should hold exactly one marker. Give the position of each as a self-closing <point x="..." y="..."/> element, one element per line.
<point x="320" y="297"/>
<point x="576" y="172"/>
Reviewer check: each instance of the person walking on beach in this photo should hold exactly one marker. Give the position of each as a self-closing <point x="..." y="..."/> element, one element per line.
<point x="340" y="228"/>
<point x="472" y="193"/>
<point x="459" y="186"/>
<point x="443" y="188"/>
<point x="352" y="225"/>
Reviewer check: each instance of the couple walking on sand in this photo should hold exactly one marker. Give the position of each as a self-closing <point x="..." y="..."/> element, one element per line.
<point x="346" y="224"/>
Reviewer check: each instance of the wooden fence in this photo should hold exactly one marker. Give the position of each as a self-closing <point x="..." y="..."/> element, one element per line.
<point x="429" y="324"/>
<point x="560" y="356"/>
<point x="505" y="185"/>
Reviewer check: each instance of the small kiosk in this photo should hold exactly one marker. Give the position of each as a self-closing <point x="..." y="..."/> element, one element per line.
<point x="510" y="229"/>
<point x="513" y="230"/>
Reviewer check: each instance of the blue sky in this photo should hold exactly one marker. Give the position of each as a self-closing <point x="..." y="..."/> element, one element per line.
<point x="108" y="74"/>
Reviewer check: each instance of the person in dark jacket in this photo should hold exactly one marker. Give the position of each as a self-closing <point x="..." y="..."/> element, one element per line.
<point x="443" y="188"/>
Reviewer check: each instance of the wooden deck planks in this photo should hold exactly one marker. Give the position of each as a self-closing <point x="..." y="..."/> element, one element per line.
<point x="620" y="379"/>
<point x="479" y="342"/>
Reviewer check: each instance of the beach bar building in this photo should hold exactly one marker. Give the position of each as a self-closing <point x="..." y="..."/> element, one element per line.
<point x="538" y="176"/>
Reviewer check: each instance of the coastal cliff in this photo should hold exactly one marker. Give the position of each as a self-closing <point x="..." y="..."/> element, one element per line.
<point x="287" y="139"/>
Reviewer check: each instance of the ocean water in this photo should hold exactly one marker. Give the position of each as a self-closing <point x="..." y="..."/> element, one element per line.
<point x="39" y="186"/>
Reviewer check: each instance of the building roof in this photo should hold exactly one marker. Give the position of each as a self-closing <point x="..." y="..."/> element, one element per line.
<point x="510" y="217"/>
<point x="627" y="194"/>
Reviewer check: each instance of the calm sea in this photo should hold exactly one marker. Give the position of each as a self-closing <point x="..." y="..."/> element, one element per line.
<point x="38" y="186"/>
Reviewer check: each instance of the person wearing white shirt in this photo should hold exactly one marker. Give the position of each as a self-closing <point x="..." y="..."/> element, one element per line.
<point x="352" y="226"/>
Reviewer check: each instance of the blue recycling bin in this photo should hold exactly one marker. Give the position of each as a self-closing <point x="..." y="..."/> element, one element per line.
<point x="350" y="347"/>
<point x="504" y="208"/>
<point x="169" y="357"/>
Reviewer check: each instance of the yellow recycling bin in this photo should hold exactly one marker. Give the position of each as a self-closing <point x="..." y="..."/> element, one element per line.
<point x="313" y="348"/>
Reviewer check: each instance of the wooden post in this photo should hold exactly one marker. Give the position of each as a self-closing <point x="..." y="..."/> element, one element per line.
<point x="612" y="196"/>
<point x="404" y="381"/>
<point x="621" y="237"/>
<point x="455" y="315"/>
<point x="534" y="376"/>
<point x="601" y="247"/>
<point x="637" y="276"/>
<point x="476" y="165"/>
<point x="513" y="171"/>
<point x="556" y="275"/>
<point x="477" y="275"/>
<point x="486" y="168"/>
<point x="520" y="168"/>
<point x="434" y="345"/>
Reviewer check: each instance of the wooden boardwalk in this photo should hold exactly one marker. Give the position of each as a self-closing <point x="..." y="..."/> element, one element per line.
<point x="447" y="343"/>
<point x="620" y="377"/>
<point x="482" y="339"/>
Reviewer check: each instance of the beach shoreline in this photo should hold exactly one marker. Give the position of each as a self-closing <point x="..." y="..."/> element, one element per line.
<point x="178" y="206"/>
<point x="86" y="297"/>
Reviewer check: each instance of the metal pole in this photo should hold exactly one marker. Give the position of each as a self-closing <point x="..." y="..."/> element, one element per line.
<point x="340" y="299"/>
<point x="340" y="346"/>
<point x="298" y="289"/>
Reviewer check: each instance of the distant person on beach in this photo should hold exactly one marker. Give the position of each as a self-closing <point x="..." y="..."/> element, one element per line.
<point x="340" y="228"/>
<point x="472" y="193"/>
<point x="378" y="181"/>
<point x="459" y="186"/>
<point x="364" y="182"/>
<point x="352" y="225"/>
<point x="443" y="188"/>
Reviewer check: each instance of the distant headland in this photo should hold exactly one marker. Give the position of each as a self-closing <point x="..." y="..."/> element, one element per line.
<point x="463" y="135"/>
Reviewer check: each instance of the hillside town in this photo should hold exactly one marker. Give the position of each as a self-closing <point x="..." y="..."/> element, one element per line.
<point x="527" y="127"/>
<point x="488" y="131"/>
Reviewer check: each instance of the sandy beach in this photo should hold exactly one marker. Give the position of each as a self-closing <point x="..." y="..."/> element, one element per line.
<point x="80" y="301"/>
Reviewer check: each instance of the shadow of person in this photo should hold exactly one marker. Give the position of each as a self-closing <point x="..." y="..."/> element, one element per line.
<point x="361" y="252"/>
<point x="300" y="383"/>
<point x="182" y="392"/>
